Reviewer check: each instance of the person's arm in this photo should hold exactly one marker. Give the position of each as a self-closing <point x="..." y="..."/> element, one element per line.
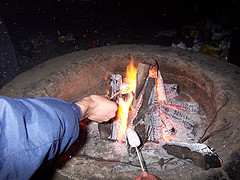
<point x="34" y="131"/>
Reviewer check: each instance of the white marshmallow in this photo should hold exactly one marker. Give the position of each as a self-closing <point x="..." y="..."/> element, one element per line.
<point x="133" y="138"/>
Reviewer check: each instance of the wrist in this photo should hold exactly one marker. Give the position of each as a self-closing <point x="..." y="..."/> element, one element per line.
<point x="84" y="106"/>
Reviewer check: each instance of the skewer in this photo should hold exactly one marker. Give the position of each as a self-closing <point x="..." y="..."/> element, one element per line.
<point x="139" y="158"/>
<point x="122" y="89"/>
<point x="115" y="94"/>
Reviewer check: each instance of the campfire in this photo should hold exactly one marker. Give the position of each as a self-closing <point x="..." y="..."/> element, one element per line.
<point x="160" y="115"/>
<point x="201" y="108"/>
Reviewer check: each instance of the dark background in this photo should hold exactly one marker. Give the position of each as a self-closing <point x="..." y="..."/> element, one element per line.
<point x="35" y="26"/>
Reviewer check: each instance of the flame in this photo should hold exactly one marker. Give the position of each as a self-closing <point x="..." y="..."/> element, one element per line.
<point x="125" y="105"/>
<point x="131" y="73"/>
<point x="123" y="112"/>
<point x="153" y="73"/>
<point x="106" y="77"/>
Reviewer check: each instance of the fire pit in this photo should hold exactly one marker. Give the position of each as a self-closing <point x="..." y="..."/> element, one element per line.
<point x="212" y="84"/>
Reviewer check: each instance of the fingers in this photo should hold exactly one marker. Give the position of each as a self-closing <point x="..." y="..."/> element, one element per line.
<point x="97" y="108"/>
<point x="146" y="176"/>
<point x="102" y="109"/>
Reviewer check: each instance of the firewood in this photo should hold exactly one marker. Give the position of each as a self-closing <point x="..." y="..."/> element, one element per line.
<point x="200" y="154"/>
<point x="105" y="129"/>
<point x="142" y="74"/>
<point x="142" y="120"/>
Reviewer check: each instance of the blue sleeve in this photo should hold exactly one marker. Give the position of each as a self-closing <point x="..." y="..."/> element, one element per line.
<point x="34" y="131"/>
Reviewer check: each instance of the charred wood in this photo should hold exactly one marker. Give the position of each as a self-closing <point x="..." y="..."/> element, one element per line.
<point x="200" y="154"/>
<point x="142" y="74"/>
<point x="142" y="121"/>
<point x="179" y="117"/>
<point x="191" y="107"/>
<point x="106" y="129"/>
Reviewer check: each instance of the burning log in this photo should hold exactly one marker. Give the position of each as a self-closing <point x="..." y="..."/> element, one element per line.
<point x="115" y="85"/>
<point x="179" y="117"/>
<point x="156" y="122"/>
<point x="200" y="154"/>
<point x="145" y="113"/>
<point x="161" y="94"/>
<point x="141" y="121"/>
<point x="141" y="77"/>
<point x="107" y="130"/>
<point x="191" y="107"/>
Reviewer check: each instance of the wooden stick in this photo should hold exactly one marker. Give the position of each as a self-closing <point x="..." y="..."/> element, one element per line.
<point x="139" y="158"/>
<point x="123" y="89"/>
<point x="115" y="94"/>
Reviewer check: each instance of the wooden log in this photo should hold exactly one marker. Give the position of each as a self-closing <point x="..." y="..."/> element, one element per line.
<point x="191" y="107"/>
<point x="200" y="154"/>
<point x="140" y="117"/>
<point x="142" y="74"/>
<point x="160" y="88"/>
<point x="156" y="123"/>
<point x="106" y="129"/>
<point x="179" y="117"/>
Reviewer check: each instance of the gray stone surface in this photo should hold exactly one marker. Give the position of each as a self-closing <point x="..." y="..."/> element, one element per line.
<point x="211" y="83"/>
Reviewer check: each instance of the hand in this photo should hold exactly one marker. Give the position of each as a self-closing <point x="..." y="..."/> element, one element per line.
<point x="97" y="108"/>
<point x="146" y="176"/>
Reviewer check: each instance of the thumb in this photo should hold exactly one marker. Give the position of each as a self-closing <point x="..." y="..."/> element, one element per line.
<point x="144" y="174"/>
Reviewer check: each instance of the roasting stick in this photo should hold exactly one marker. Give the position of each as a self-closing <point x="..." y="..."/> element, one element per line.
<point x="122" y="89"/>
<point x="134" y="141"/>
<point x="139" y="158"/>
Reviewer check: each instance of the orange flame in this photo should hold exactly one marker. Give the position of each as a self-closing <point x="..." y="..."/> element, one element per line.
<point x="106" y="77"/>
<point x="107" y="91"/>
<point x="131" y="77"/>
<point x="123" y="112"/>
<point x="124" y="106"/>
<point x="152" y="73"/>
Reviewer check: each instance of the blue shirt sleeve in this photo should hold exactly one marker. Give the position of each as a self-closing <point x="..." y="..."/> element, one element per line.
<point x="34" y="131"/>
